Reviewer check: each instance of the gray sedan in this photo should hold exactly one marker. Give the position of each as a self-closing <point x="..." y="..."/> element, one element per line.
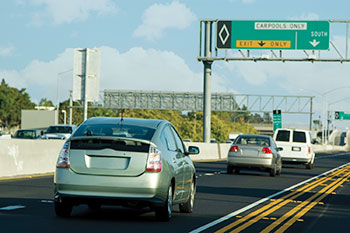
<point x="130" y="162"/>
<point x="254" y="152"/>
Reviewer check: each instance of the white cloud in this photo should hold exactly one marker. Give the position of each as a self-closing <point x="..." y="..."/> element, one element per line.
<point x="244" y="1"/>
<point x="159" y="17"/>
<point x="306" y="16"/>
<point x="6" y="51"/>
<point x="136" y="69"/>
<point x="140" y="69"/>
<point x="67" y="11"/>
<point x="248" y="1"/>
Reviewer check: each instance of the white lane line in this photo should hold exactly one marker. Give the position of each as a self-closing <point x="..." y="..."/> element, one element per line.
<point x="209" y="174"/>
<point x="13" y="207"/>
<point x="233" y="214"/>
<point x="46" y="201"/>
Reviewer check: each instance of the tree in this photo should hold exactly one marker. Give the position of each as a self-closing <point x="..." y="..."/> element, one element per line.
<point x="12" y="102"/>
<point x="45" y="102"/>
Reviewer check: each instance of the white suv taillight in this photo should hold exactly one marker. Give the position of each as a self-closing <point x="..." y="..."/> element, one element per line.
<point x="154" y="162"/>
<point x="63" y="157"/>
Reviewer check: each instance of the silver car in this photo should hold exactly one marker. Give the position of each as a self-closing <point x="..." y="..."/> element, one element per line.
<point x="129" y="162"/>
<point x="59" y="131"/>
<point x="254" y="152"/>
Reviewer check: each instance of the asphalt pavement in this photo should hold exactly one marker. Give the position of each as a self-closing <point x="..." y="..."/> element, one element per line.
<point x="26" y="205"/>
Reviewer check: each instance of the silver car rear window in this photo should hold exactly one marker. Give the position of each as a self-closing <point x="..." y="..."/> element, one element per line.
<point x="115" y="130"/>
<point x="99" y="144"/>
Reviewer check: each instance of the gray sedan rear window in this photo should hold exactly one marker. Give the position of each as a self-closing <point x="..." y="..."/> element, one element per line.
<point x="113" y="130"/>
<point x="59" y="129"/>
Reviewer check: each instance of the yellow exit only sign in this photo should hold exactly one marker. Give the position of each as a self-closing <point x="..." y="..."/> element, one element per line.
<point x="263" y="44"/>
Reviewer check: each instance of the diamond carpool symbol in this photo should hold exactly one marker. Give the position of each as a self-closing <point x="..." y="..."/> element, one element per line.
<point x="224" y="34"/>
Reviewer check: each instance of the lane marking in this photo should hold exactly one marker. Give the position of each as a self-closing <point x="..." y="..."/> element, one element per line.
<point x="27" y="177"/>
<point x="13" y="207"/>
<point x="46" y="201"/>
<point x="237" y="212"/>
<point x="209" y="174"/>
<point x="265" y="210"/>
<point x="310" y="206"/>
<point x="314" y="199"/>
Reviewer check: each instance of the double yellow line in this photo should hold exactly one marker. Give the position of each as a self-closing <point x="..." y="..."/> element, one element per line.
<point x="338" y="177"/>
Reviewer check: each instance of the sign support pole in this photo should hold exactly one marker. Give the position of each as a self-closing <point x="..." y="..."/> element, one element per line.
<point x="84" y="84"/>
<point x="311" y="109"/>
<point x="70" y="107"/>
<point x="207" y="83"/>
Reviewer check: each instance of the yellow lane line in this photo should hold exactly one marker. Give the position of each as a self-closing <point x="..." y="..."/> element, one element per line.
<point x="310" y="206"/>
<point x="307" y="187"/>
<point x="280" y="205"/>
<point x="27" y="177"/>
<point x="297" y="208"/>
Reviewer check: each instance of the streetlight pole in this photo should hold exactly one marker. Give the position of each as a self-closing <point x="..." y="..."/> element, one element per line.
<point x="64" y="116"/>
<point x="325" y="108"/>
<point x="57" y="92"/>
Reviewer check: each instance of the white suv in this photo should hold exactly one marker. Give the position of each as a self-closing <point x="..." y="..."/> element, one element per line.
<point x="296" y="144"/>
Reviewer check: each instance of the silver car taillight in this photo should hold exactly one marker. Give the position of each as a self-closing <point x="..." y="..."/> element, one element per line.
<point x="154" y="162"/>
<point x="63" y="157"/>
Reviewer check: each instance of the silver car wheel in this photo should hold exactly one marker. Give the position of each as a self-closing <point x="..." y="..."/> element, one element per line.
<point x="170" y="201"/>
<point x="193" y="192"/>
<point x="187" y="207"/>
<point x="164" y="212"/>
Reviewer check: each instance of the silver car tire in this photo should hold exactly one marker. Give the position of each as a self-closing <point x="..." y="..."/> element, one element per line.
<point x="273" y="170"/>
<point x="63" y="209"/>
<point x="94" y="206"/>
<point x="164" y="212"/>
<point x="187" y="207"/>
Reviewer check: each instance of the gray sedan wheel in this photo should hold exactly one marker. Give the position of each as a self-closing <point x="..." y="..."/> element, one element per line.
<point x="187" y="207"/>
<point x="279" y="170"/>
<point x="229" y="169"/>
<point x="164" y="213"/>
<point x="273" y="170"/>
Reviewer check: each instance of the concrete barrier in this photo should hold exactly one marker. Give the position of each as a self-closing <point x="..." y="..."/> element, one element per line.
<point x="20" y="157"/>
<point x="210" y="151"/>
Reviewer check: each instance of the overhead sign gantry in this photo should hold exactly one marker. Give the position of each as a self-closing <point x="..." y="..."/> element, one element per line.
<point x="270" y="35"/>
<point x="249" y="34"/>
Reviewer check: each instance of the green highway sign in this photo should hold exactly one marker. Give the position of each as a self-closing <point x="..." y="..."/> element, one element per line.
<point x="272" y="34"/>
<point x="341" y="116"/>
<point x="277" y="119"/>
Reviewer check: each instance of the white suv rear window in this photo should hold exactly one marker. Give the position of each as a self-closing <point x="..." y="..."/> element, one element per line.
<point x="283" y="136"/>
<point x="299" y="136"/>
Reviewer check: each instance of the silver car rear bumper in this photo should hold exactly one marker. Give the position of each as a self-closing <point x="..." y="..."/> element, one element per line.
<point x="148" y="187"/>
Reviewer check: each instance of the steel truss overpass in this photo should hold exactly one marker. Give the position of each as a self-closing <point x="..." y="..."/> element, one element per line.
<point x="189" y="101"/>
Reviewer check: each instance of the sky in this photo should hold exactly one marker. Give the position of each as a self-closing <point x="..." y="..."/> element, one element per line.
<point x="153" y="45"/>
